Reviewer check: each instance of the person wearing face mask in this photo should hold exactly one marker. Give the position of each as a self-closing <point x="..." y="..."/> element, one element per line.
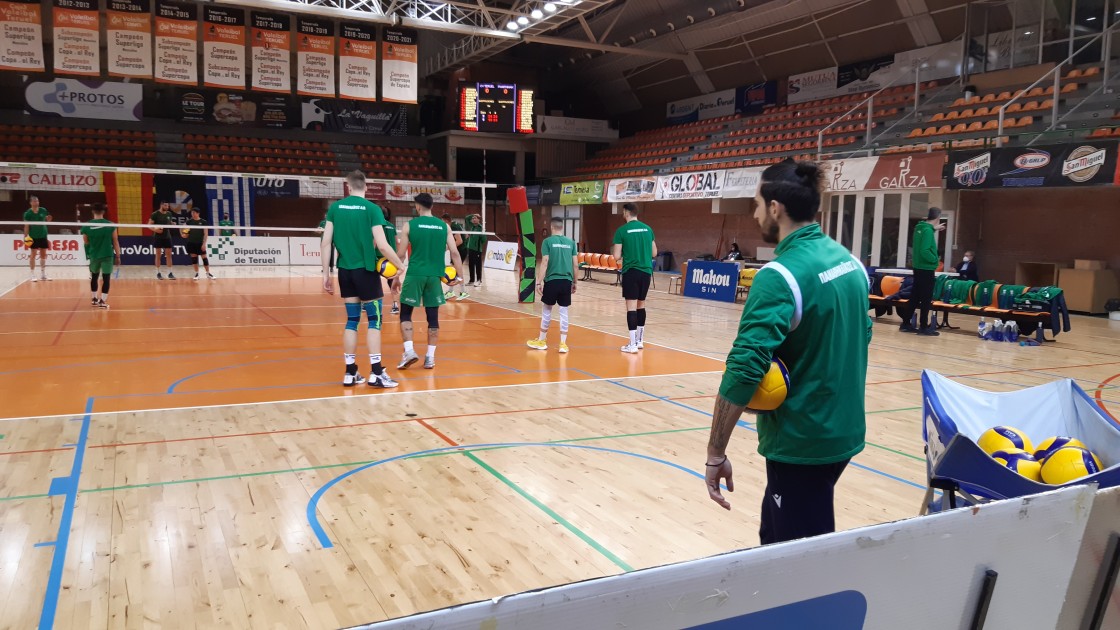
<point x="967" y="268"/>
<point x="807" y="307"/>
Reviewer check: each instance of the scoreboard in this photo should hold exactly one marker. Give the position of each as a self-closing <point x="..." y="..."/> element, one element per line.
<point x="495" y="107"/>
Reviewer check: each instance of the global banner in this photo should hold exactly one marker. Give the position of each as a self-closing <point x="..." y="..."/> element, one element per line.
<point x="21" y="35"/>
<point x="1079" y="164"/>
<point x="77" y="37"/>
<point x="128" y="33"/>
<point x="698" y="185"/>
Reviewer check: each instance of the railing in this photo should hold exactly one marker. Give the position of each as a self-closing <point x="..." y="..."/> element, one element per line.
<point x="1056" y="71"/>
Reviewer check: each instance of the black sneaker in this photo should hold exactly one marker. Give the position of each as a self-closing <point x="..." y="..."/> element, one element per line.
<point x="93" y="302"/>
<point x="159" y="276"/>
<point x="930" y="331"/>
<point x="102" y="304"/>
<point x="170" y="276"/>
<point x="906" y="328"/>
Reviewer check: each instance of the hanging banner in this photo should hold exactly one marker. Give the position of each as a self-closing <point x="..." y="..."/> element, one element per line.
<point x="440" y="194"/>
<point x="865" y="76"/>
<point x="699" y="185"/>
<point x="223" y="47"/>
<point x="382" y="119"/>
<point x="77" y="35"/>
<point x="74" y="98"/>
<point x="357" y="63"/>
<point x="50" y="179"/>
<point x="234" y="108"/>
<point x="702" y="107"/>
<point x="910" y="172"/>
<point x="752" y="99"/>
<point x="632" y="189"/>
<point x="810" y="86"/>
<point x="399" y="75"/>
<point x="579" y="193"/>
<point x="272" y="52"/>
<point x="21" y="35"/>
<point x="128" y="32"/>
<point x="1081" y="164"/>
<point x="315" y="57"/>
<point x="176" y="43"/>
<point x="321" y="188"/>
<point x="741" y="183"/>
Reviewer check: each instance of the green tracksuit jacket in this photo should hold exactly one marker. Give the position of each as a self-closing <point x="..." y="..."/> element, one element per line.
<point x="809" y="308"/>
<point x="925" y="247"/>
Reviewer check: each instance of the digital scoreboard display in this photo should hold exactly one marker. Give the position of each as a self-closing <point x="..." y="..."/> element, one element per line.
<point x="495" y="107"/>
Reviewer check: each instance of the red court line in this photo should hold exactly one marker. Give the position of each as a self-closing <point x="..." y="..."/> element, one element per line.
<point x="438" y="433"/>
<point x="269" y="315"/>
<point x="66" y="323"/>
<point x="355" y="425"/>
<point x="1100" y="400"/>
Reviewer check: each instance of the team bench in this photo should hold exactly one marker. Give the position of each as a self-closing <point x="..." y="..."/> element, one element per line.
<point x="604" y="263"/>
<point x="1029" y="321"/>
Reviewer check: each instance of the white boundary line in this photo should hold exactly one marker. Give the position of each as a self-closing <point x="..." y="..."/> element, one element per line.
<point x="13" y="288"/>
<point x="102" y="330"/>
<point x="372" y="393"/>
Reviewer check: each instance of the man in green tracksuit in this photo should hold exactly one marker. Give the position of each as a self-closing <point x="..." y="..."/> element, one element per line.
<point x="809" y="308"/>
<point x="925" y="261"/>
<point x="474" y="246"/>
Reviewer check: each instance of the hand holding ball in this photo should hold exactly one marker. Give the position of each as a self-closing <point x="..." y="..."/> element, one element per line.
<point x="387" y="269"/>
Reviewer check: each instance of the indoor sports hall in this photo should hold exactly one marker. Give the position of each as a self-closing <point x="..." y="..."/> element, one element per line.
<point x="182" y="442"/>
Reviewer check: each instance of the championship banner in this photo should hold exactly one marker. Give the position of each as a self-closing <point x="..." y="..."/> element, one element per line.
<point x="440" y="194"/>
<point x="77" y="34"/>
<point x="21" y="35"/>
<point x="579" y="193"/>
<point x="357" y="64"/>
<point x="1080" y="164"/>
<point x="399" y="75"/>
<point x="315" y="57"/>
<point x="129" y="38"/>
<point x="699" y="185"/>
<point x="633" y="189"/>
<point x="223" y="47"/>
<point x="272" y="50"/>
<point x="176" y="43"/>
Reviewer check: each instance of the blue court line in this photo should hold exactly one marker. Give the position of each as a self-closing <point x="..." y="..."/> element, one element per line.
<point x="312" y="504"/>
<point x="67" y="486"/>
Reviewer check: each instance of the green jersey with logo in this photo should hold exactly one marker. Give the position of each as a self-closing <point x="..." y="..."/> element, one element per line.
<point x="808" y="307"/>
<point x="354" y="218"/>
<point x="636" y="239"/>
<point x="196" y="235"/>
<point x="163" y="218"/>
<point x="226" y="223"/>
<point x="36" y="231"/>
<point x="390" y="234"/>
<point x="99" y="238"/>
<point x="475" y="243"/>
<point x="427" y="236"/>
<point x="560" y="250"/>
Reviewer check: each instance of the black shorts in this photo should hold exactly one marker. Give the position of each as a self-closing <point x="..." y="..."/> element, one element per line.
<point x="40" y="243"/>
<point x="360" y="283"/>
<point x="557" y="292"/>
<point x="195" y="249"/>
<point x="162" y="241"/>
<point x="635" y="284"/>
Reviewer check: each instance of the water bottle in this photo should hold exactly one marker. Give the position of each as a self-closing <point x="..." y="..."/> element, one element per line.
<point x="996" y="333"/>
<point x="1011" y="332"/>
<point x="981" y="328"/>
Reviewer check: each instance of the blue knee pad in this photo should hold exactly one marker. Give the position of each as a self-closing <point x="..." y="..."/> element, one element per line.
<point x="353" y="315"/>
<point x="373" y="314"/>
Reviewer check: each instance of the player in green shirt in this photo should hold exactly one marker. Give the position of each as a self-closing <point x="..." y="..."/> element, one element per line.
<point x="634" y="245"/>
<point x="102" y="250"/>
<point x="556" y="282"/>
<point x="429" y="239"/>
<point x="807" y="307"/>
<point x="356" y="227"/>
<point x="196" y="243"/>
<point x="225" y="223"/>
<point x="162" y="240"/>
<point x="394" y="283"/>
<point x="38" y="234"/>
<point x="455" y="228"/>
<point x="319" y="231"/>
<point x="474" y="246"/>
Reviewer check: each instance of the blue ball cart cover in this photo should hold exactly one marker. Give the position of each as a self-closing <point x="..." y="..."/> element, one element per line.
<point x="954" y="416"/>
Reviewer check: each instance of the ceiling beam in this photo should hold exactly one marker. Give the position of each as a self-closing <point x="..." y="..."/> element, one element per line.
<point x="630" y="50"/>
<point x="586" y="29"/>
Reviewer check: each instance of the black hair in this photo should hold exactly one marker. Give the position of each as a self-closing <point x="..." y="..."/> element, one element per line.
<point x="557" y="221"/>
<point x="98" y="208"/>
<point x="934" y="213"/>
<point x="424" y="199"/>
<point x="631" y="208"/>
<point x="795" y="185"/>
<point x="735" y="246"/>
<point x="385" y="211"/>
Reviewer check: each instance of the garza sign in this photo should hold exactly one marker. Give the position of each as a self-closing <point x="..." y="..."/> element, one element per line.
<point x="911" y="172"/>
<point x="712" y="280"/>
<point x="701" y="185"/>
<point x="501" y="255"/>
<point x="54" y="179"/>
<point x="70" y="98"/>
<point x="65" y="250"/>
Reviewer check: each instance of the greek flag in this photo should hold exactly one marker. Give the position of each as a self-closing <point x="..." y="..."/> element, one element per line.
<point x="233" y="195"/>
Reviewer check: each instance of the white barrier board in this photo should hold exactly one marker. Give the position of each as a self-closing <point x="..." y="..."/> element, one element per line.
<point x="64" y="251"/>
<point x="500" y="255"/>
<point x="304" y="250"/>
<point x="919" y="573"/>
<point x="247" y="250"/>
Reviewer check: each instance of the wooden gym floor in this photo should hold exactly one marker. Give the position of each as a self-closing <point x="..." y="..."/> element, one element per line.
<point x="188" y="460"/>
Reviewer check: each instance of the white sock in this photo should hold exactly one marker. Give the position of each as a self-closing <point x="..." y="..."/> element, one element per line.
<point x="633" y="337"/>
<point x="543" y="335"/>
<point x="641" y="333"/>
<point x="374" y="359"/>
<point x="350" y="360"/>
<point x="563" y="337"/>
<point x="93" y="294"/>
<point x="431" y="353"/>
<point x="408" y="347"/>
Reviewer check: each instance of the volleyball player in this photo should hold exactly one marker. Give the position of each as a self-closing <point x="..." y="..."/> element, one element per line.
<point x="556" y="283"/>
<point x="196" y="243"/>
<point x="40" y="244"/>
<point x="634" y="245"/>
<point x="394" y="283"/>
<point x="162" y="240"/>
<point x="429" y="239"/>
<point x="102" y="250"/>
<point x="355" y="226"/>
<point x="225" y="223"/>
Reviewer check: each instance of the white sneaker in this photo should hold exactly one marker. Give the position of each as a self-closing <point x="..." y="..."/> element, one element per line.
<point x="209" y="275"/>
<point x="196" y="277"/>
<point x="350" y="380"/>
<point x="34" y="279"/>
<point x="641" y="345"/>
<point x="407" y="360"/>
<point x="630" y="349"/>
<point x="44" y="278"/>
<point x="382" y="381"/>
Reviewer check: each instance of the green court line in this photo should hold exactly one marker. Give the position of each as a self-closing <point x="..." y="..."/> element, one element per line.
<point x="362" y="463"/>
<point x="552" y="514"/>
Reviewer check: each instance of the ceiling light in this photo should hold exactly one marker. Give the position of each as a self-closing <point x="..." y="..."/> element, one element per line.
<point x="551" y="7"/>
<point x="511" y="25"/>
<point x="1090" y="19"/>
<point x="1029" y="33"/>
<point x="537" y="14"/>
<point x="522" y="20"/>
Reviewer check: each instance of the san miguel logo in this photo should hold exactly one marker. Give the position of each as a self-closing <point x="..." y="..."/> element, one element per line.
<point x="1083" y="164"/>
<point x="973" y="172"/>
<point x="904" y="178"/>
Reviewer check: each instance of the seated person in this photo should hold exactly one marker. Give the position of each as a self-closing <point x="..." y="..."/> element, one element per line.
<point x="734" y="254"/>
<point x="967" y="267"/>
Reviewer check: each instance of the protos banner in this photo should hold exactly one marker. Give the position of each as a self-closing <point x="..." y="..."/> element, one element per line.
<point x="73" y="98"/>
<point x="64" y="250"/>
<point x="501" y="255"/>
